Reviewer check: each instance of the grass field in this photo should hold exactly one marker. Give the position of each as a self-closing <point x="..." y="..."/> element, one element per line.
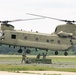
<point x="59" y="63"/>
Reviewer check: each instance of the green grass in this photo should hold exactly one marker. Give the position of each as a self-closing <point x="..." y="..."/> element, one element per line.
<point x="63" y="59"/>
<point x="10" y="58"/>
<point x="16" y="68"/>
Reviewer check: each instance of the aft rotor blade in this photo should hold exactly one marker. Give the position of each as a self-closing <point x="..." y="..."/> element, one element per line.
<point x="45" y="17"/>
<point x="68" y="21"/>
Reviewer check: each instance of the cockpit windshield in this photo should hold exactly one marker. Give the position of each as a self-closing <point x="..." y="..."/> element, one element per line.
<point x="1" y="33"/>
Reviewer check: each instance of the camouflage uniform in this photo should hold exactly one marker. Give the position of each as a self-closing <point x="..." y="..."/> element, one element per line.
<point x="23" y="57"/>
<point x="44" y="55"/>
<point x="27" y="61"/>
<point x="38" y="56"/>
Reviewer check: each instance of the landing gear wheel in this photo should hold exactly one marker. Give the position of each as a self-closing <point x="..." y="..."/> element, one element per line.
<point x="56" y="52"/>
<point x="20" y="51"/>
<point x="28" y="51"/>
<point x="65" y="53"/>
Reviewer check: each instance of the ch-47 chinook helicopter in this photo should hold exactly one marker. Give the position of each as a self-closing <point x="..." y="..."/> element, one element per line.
<point x="62" y="39"/>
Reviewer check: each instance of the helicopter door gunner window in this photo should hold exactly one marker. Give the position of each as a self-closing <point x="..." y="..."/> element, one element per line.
<point x="13" y="36"/>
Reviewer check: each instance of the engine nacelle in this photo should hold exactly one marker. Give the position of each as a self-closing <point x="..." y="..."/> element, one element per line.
<point x="6" y="27"/>
<point x="65" y="34"/>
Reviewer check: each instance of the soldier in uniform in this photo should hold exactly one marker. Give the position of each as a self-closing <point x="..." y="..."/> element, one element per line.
<point x="44" y="55"/>
<point x="28" y="61"/>
<point x="23" y="57"/>
<point x="38" y="56"/>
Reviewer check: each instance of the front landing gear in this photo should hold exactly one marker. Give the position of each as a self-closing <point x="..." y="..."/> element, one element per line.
<point x="20" y="50"/>
<point x="28" y="51"/>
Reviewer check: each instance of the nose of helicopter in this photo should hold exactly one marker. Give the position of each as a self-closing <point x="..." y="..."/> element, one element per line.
<point x="0" y="27"/>
<point x="1" y="36"/>
<point x="1" y="33"/>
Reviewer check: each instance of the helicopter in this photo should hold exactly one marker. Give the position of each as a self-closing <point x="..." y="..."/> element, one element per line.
<point x="61" y="40"/>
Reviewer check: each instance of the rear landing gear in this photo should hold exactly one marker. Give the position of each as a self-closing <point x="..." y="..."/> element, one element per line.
<point x="56" y="52"/>
<point x="65" y="53"/>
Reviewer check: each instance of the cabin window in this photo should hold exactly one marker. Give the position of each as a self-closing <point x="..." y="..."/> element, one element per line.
<point x="13" y="36"/>
<point x="36" y="39"/>
<point x="25" y="37"/>
<point x="47" y="40"/>
<point x="58" y="41"/>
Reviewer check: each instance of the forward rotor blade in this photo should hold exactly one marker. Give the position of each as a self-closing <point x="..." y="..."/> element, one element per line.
<point x="6" y="21"/>
<point x="25" y="19"/>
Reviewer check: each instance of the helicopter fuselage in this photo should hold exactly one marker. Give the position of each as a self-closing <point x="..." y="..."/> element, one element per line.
<point x="35" y="40"/>
<point x="63" y="38"/>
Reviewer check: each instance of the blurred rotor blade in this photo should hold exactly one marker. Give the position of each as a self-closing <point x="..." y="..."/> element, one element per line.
<point x="68" y="21"/>
<point x="45" y="17"/>
<point x="6" y="21"/>
<point x="25" y="19"/>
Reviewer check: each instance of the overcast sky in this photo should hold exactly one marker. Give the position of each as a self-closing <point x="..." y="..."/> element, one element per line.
<point x="17" y="9"/>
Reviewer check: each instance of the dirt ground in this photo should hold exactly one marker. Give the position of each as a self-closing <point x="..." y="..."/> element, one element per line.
<point x="50" y="72"/>
<point x="37" y="73"/>
<point x="11" y="73"/>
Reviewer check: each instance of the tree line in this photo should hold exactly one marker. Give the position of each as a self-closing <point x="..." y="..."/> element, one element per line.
<point x="5" y="49"/>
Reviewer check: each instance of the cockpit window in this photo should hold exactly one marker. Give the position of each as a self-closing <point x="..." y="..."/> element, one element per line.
<point x="56" y="29"/>
<point x="1" y="33"/>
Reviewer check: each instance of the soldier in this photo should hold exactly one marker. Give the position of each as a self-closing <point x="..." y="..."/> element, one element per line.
<point x="23" y="57"/>
<point x="38" y="56"/>
<point x="44" y="55"/>
<point x="28" y="61"/>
